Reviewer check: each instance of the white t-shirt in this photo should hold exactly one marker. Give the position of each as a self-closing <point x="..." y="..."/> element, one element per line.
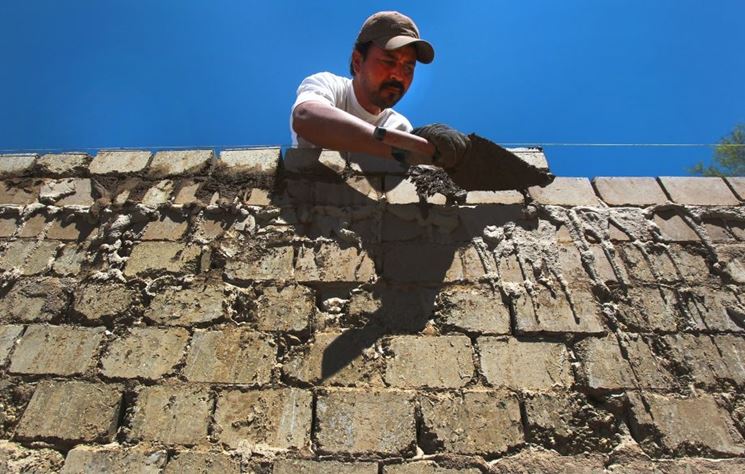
<point x="338" y="92"/>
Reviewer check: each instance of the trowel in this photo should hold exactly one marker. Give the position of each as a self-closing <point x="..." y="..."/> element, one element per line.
<point x="489" y="167"/>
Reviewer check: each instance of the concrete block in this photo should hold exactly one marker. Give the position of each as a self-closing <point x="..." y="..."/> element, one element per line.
<point x="404" y="366"/>
<point x="399" y="190"/>
<point x="713" y="310"/>
<point x="180" y="163"/>
<point x="12" y="165"/>
<point x="9" y="334"/>
<point x="368" y="164"/>
<point x="529" y="365"/>
<point x="199" y="304"/>
<point x="71" y="412"/>
<point x="426" y="467"/>
<point x="307" y="466"/>
<point x="120" y="162"/>
<point x="733" y="259"/>
<point x="162" y="257"/>
<point x="649" y="309"/>
<point x="673" y="227"/>
<point x="250" y="162"/>
<point x="495" y="197"/>
<point x="147" y="353"/>
<point x="97" y="302"/>
<point x="333" y="263"/>
<point x="114" y="459"/>
<point x="486" y="423"/>
<point x="203" y="461"/>
<point x="647" y="367"/>
<point x="37" y="300"/>
<point x="344" y="358"/>
<point x="285" y="309"/>
<point x="738" y="186"/>
<point x="56" y="350"/>
<point x="549" y="312"/>
<point x="271" y="263"/>
<point x="29" y="257"/>
<point x="354" y="191"/>
<point x="629" y="191"/>
<point x="172" y="414"/>
<point x="67" y="192"/>
<point x="313" y="161"/>
<point x="167" y="227"/>
<point x="422" y="263"/>
<point x="699" y="191"/>
<point x="8" y="226"/>
<point x="474" y="309"/>
<point x="540" y="460"/>
<point x="602" y="366"/>
<point x="33" y="226"/>
<point x="63" y="164"/>
<point x="19" y="192"/>
<point x="275" y="418"/>
<point x="159" y="194"/>
<point x="710" y="361"/>
<point x="233" y="355"/>
<point x="683" y="424"/>
<point x="365" y="421"/>
<point x="72" y="227"/>
<point x="566" y="192"/>
<point x="70" y="260"/>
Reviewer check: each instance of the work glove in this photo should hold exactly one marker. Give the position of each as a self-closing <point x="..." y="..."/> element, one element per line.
<point x="451" y="145"/>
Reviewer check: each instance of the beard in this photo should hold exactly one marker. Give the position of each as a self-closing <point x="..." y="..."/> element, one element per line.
<point x="388" y="94"/>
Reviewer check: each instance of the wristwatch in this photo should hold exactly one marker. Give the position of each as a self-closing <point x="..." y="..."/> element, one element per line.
<point x="397" y="153"/>
<point x="379" y="133"/>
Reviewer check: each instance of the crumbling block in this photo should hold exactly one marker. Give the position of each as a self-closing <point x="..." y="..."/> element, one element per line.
<point x="99" y="302"/>
<point x="306" y="466"/>
<point x="474" y="309"/>
<point x="9" y="334"/>
<point x="19" y="192"/>
<point x="603" y="366"/>
<point x="172" y="414"/>
<point x="485" y="423"/>
<point x="198" y="304"/>
<point x="336" y="358"/>
<point x="147" y="353"/>
<point x="284" y="309"/>
<point x="539" y="460"/>
<point x="57" y="350"/>
<point x="114" y="459"/>
<point x="67" y="192"/>
<point x="32" y="300"/>
<point x="16" y="458"/>
<point x="167" y="227"/>
<point x="369" y="421"/>
<point x="232" y="355"/>
<point x="29" y="257"/>
<point x="685" y="425"/>
<point x="238" y="164"/>
<point x="160" y="257"/>
<point x="404" y="366"/>
<point x="333" y="263"/>
<point x="529" y="365"/>
<point x="276" y="418"/>
<point x="272" y="263"/>
<point x="71" y="412"/>
<point x="203" y="461"/>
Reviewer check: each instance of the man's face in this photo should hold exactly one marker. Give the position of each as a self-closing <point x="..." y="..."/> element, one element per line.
<point x="385" y="76"/>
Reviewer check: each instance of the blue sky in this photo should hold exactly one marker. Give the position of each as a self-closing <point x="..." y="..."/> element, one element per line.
<point x="79" y="74"/>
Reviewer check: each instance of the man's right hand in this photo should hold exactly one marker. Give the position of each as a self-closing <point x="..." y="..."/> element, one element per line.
<point x="451" y="145"/>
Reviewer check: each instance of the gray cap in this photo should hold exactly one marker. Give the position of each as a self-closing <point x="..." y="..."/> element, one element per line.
<point x="393" y="30"/>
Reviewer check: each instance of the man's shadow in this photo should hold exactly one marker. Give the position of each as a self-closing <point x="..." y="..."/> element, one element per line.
<point x="417" y="249"/>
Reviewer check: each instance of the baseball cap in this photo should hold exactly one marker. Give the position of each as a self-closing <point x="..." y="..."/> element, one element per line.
<point x="392" y="30"/>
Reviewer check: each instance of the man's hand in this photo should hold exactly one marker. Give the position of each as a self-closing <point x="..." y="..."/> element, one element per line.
<point x="451" y="145"/>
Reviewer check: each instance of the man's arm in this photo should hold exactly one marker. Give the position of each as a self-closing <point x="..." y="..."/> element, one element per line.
<point x="335" y="129"/>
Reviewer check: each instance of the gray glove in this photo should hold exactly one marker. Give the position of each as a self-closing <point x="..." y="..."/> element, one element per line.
<point x="450" y="144"/>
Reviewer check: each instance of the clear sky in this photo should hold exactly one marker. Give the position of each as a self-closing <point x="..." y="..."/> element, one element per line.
<point x="80" y="74"/>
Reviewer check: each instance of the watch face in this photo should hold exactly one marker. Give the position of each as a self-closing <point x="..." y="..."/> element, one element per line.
<point x="379" y="133"/>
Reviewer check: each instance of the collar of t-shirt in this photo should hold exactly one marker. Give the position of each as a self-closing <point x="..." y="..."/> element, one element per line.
<point x="360" y="111"/>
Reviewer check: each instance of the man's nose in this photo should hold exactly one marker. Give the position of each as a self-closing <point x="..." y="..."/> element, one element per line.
<point x="397" y="72"/>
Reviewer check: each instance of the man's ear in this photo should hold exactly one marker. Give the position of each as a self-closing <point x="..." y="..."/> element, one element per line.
<point x="356" y="61"/>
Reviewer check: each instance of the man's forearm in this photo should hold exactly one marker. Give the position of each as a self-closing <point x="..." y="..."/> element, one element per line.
<point x="332" y="128"/>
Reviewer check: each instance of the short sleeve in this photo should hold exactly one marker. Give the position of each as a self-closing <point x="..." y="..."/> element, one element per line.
<point x="324" y="87"/>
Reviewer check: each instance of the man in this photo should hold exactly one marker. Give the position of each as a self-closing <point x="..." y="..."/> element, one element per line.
<point x="355" y="115"/>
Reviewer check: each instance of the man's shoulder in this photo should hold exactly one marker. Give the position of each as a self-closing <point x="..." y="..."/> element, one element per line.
<point x="327" y="78"/>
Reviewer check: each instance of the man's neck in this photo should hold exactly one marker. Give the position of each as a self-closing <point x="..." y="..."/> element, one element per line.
<point x="362" y="100"/>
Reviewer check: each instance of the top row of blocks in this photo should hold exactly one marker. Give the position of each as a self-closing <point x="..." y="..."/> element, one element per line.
<point x="612" y="191"/>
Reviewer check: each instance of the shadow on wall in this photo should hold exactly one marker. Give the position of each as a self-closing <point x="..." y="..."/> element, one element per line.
<point x="417" y="247"/>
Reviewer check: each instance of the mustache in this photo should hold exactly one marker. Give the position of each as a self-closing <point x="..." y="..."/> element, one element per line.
<point x="398" y="85"/>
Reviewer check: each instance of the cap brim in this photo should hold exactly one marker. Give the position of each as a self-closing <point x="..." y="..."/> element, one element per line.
<point x="425" y="53"/>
